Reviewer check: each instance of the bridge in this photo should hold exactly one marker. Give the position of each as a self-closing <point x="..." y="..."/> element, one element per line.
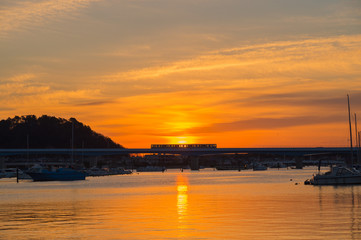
<point x="192" y="155"/>
<point x="181" y="151"/>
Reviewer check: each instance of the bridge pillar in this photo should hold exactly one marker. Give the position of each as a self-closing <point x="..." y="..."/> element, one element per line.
<point x="194" y="163"/>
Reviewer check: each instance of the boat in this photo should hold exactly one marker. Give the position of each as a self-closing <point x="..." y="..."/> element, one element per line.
<point x="338" y="175"/>
<point x="151" y="169"/>
<point x="278" y="165"/>
<point x="8" y="173"/>
<point x="259" y="167"/>
<point x="227" y="167"/>
<point x="96" y="172"/>
<point x="120" y="171"/>
<point x="38" y="173"/>
<point x="13" y="173"/>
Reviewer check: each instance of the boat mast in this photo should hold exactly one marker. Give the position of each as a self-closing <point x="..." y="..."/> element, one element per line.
<point x="72" y="143"/>
<point x="349" y="121"/>
<point x="357" y="141"/>
<point x="27" y="151"/>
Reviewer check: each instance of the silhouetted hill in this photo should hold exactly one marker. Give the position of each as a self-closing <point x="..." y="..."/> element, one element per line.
<point x="49" y="132"/>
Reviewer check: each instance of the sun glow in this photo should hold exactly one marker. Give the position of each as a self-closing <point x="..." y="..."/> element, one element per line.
<point x="182" y="139"/>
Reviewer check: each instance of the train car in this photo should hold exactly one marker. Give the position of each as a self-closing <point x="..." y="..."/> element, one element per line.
<point x="154" y="146"/>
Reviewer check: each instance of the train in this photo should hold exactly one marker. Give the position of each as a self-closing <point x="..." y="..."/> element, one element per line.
<point x="155" y="146"/>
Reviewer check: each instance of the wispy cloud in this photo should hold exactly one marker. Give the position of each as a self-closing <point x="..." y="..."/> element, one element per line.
<point x="6" y="109"/>
<point x="27" y="14"/>
<point x="93" y="102"/>
<point x="309" y="57"/>
<point x="280" y="87"/>
<point x="21" y="85"/>
<point x="268" y="123"/>
<point x="315" y="99"/>
<point x="22" y="77"/>
<point x="288" y="76"/>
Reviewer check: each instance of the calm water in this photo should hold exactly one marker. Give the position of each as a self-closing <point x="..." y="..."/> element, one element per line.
<point x="173" y="205"/>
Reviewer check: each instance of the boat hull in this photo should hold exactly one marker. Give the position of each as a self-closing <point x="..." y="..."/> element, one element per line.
<point x="344" y="180"/>
<point x="57" y="176"/>
<point x="151" y="169"/>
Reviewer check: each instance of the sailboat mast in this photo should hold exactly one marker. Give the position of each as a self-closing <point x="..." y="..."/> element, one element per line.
<point x="349" y="121"/>
<point x="357" y="141"/>
<point x="72" y="142"/>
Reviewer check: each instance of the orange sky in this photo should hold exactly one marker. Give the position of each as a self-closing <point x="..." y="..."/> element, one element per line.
<point x="238" y="74"/>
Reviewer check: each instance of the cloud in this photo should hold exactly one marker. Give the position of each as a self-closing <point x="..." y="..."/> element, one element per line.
<point x="27" y="14"/>
<point x="312" y="99"/>
<point x="318" y="58"/>
<point x="6" y="109"/>
<point x="22" y="85"/>
<point x="19" y="90"/>
<point x="294" y="78"/>
<point x="22" y="77"/>
<point x="93" y="102"/>
<point x="268" y="123"/>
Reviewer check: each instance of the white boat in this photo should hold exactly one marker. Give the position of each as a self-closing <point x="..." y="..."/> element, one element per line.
<point x="96" y="172"/>
<point x="151" y="169"/>
<point x="120" y="171"/>
<point x="336" y="176"/>
<point x="259" y="167"/>
<point x="228" y="167"/>
<point x="340" y="175"/>
<point x="278" y="165"/>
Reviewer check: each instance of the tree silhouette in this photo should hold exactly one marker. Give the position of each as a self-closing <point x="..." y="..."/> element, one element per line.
<point x="50" y="132"/>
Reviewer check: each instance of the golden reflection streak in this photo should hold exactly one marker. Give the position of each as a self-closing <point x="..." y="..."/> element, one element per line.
<point x="182" y="201"/>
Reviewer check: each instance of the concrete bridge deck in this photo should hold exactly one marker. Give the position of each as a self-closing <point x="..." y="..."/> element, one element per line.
<point x="182" y="151"/>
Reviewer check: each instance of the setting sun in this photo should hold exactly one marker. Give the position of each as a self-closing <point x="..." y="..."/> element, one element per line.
<point x="182" y="140"/>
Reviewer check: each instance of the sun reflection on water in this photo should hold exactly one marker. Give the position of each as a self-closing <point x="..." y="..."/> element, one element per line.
<point x="182" y="201"/>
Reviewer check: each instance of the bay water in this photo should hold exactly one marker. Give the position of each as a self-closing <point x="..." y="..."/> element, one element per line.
<point x="205" y="204"/>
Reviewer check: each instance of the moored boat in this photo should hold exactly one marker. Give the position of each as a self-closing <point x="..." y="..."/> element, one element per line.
<point x="13" y="173"/>
<point x="259" y="167"/>
<point x="228" y="167"/>
<point x="8" y="173"/>
<point x="340" y="175"/>
<point x="60" y="174"/>
<point x="151" y="169"/>
<point x="336" y="176"/>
